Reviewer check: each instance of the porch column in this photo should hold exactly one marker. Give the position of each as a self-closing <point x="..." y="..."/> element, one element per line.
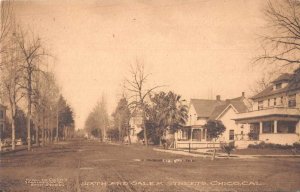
<point x="260" y="127"/>
<point x="275" y="126"/>
<point x="201" y="134"/>
<point x="191" y="138"/>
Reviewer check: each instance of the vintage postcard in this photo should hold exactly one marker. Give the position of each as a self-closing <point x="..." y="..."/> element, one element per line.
<point x="150" y="95"/>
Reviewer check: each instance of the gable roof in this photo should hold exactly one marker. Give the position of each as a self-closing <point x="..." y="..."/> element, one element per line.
<point x="293" y="84"/>
<point x="205" y="107"/>
<point x="237" y="104"/>
<point x="213" y="108"/>
<point x="283" y="77"/>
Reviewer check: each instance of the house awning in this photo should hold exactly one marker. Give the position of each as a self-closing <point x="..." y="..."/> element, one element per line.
<point x="275" y="113"/>
<point x="193" y="127"/>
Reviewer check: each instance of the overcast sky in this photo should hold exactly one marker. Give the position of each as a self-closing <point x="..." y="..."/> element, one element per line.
<point x="199" y="48"/>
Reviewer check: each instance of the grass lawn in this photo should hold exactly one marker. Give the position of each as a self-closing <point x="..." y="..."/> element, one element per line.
<point x="266" y="151"/>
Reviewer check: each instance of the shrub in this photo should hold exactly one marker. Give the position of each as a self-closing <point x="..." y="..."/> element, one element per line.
<point x="263" y="145"/>
<point x="253" y="135"/>
<point x="296" y="145"/>
<point x="228" y="148"/>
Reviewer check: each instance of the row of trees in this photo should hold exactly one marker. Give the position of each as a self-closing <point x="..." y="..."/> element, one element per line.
<point x="27" y="84"/>
<point x="159" y="112"/>
<point x="97" y="122"/>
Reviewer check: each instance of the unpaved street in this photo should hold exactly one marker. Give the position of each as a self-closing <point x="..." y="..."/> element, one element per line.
<point x="81" y="165"/>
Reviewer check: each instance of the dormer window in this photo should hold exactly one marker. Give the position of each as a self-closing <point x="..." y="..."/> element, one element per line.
<point x="278" y="85"/>
<point x="260" y="105"/>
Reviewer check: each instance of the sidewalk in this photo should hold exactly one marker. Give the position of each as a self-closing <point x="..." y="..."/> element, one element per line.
<point x="221" y="155"/>
<point x="6" y="150"/>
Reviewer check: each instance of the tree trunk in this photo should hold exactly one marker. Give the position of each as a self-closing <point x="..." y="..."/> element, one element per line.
<point x="51" y="135"/>
<point x="13" y="135"/>
<point x="57" y="125"/>
<point x="128" y="132"/>
<point x="37" y="137"/>
<point x="145" y="129"/>
<point x="29" y="113"/>
<point x="13" y="127"/>
<point x="28" y="127"/>
<point x="214" y="153"/>
<point x="119" y="127"/>
<point x="43" y="130"/>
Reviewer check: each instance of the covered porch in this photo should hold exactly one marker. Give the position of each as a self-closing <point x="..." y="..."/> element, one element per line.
<point x="193" y="137"/>
<point x="272" y="128"/>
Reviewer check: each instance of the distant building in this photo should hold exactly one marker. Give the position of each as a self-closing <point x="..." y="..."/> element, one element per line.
<point x="275" y="116"/>
<point x="135" y="124"/>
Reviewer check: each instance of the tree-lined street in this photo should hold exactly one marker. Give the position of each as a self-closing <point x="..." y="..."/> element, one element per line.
<point x="82" y="165"/>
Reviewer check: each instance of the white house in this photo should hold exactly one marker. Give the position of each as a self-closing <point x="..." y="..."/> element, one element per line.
<point x="202" y="110"/>
<point x="135" y="123"/>
<point x="275" y="115"/>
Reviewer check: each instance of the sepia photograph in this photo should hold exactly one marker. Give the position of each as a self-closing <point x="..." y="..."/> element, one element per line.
<point x="150" y="96"/>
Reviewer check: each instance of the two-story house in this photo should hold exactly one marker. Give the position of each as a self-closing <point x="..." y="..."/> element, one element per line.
<point x="275" y="116"/>
<point x="202" y="110"/>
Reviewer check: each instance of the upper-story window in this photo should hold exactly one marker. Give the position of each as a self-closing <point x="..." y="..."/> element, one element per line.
<point x="260" y="105"/>
<point x="292" y="100"/>
<point x="268" y="102"/>
<point x="275" y="102"/>
<point x="278" y="85"/>
<point x="281" y="100"/>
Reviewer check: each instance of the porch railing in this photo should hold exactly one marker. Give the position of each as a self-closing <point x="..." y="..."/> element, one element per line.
<point x="196" y="145"/>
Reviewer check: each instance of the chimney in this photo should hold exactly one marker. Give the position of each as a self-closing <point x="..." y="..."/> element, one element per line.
<point x="218" y="97"/>
<point x="243" y="94"/>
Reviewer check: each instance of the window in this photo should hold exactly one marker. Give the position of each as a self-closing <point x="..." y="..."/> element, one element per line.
<point x="278" y="85"/>
<point x="281" y="100"/>
<point x="184" y="135"/>
<point x="286" y="126"/>
<point x="231" y="134"/>
<point x="268" y="102"/>
<point x="203" y="135"/>
<point x="292" y="100"/>
<point x="1" y="114"/>
<point x="268" y="127"/>
<point x="275" y="102"/>
<point x="260" y="105"/>
<point x="196" y="135"/>
<point x="1" y="127"/>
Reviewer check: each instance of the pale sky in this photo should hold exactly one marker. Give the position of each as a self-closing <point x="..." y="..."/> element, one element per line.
<point x="199" y="48"/>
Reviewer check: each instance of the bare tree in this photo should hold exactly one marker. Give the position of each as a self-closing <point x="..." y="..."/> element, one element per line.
<point x="136" y="85"/>
<point x="282" y="43"/>
<point x="46" y="96"/>
<point x="5" y="22"/>
<point x="11" y="80"/>
<point x="32" y="53"/>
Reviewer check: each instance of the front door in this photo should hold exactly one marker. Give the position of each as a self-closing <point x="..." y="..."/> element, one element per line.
<point x="231" y="134"/>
